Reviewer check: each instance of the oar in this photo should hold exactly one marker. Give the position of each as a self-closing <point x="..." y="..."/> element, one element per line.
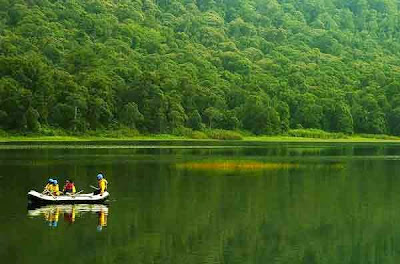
<point x="76" y="193"/>
<point x="91" y="186"/>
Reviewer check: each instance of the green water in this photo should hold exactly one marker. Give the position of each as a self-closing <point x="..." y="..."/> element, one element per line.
<point x="264" y="203"/>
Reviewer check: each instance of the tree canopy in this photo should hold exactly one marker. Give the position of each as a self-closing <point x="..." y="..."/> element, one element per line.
<point x="264" y="66"/>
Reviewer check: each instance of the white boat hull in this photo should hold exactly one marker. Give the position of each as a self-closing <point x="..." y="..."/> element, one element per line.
<point x="87" y="198"/>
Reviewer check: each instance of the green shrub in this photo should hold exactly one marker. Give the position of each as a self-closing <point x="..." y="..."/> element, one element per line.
<point x="315" y="133"/>
<point x="221" y="134"/>
<point x="118" y="133"/>
<point x="376" y="136"/>
<point x="51" y="131"/>
<point x="182" y="131"/>
<point x="46" y="131"/>
<point x="198" y="135"/>
<point x="189" y="133"/>
<point x="3" y="133"/>
<point x="121" y="133"/>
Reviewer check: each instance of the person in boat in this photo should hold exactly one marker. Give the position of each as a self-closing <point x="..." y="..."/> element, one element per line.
<point x="47" y="189"/>
<point x="55" y="189"/>
<point x="69" y="187"/>
<point x="102" y="183"/>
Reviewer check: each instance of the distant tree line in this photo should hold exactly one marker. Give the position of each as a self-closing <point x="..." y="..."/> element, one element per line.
<point x="264" y="66"/>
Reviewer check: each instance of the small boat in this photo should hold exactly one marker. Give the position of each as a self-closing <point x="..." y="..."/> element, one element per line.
<point x="35" y="197"/>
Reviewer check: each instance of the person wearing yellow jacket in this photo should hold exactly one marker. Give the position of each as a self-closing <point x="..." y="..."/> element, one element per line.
<point x="55" y="189"/>
<point x="102" y="183"/>
<point x="47" y="189"/>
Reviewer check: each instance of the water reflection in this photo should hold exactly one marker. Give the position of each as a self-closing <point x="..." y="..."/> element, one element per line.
<point x="278" y="204"/>
<point x="102" y="219"/>
<point x="69" y="212"/>
<point x="249" y="165"/>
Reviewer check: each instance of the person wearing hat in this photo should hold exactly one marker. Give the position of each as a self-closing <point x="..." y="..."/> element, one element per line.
<point x="47" y="189"/>
<point x="102" y="183"/>
<point x="55" y="189"/>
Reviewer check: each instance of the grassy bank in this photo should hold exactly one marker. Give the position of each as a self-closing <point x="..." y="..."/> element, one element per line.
<point x="297" y="135"/>
<point x="355" y="138"/>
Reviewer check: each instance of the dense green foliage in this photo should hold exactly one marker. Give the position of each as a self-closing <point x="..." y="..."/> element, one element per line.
<point x="157" y="66"/>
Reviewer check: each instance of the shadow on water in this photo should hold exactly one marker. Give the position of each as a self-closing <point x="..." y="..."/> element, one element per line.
<point x="69" y="213"/>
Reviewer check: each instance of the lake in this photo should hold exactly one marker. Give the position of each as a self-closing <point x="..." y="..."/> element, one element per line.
<point x="191" y="202"/>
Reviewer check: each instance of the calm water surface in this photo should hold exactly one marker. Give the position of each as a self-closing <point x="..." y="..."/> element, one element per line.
<point x="225" y="203"/>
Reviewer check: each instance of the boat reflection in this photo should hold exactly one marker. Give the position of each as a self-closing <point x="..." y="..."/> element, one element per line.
<point x="51" y="213"/>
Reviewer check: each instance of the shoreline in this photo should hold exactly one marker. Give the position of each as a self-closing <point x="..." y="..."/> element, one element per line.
<point x="172" y="138"/>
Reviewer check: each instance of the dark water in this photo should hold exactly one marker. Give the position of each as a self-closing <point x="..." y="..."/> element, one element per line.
<point x="268" y="203"/>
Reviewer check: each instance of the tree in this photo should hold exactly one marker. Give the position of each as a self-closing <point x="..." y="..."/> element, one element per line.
<point x="194" y="120"/>
<point x="343" y="120"/>
<point x="308" y="112"/>
<point x="32" y="117"/>
<point x="259" y="65"/>
<point x="14" y="103"/>
<point x="99" y="114"/>
<point x="284" y="114"/>
<point x="131" y="116"/>
<point x="175" y="112"/>
<point x="259" y="117"/>
<point x="229" y="120"/>
<point x="62" y="115"/>
<point x="394" y="121"/>
<point x="213" y="115"/>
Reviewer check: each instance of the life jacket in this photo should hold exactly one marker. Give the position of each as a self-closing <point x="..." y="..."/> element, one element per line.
<point x="55" y="189"/>
<point x="69" y="187"/>
<point x="103" y="185"/>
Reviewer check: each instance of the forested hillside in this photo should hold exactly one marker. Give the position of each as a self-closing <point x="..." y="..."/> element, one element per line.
<point x="258" y="65"/>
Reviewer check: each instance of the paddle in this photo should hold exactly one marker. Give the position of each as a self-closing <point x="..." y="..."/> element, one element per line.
<point x="73" y="194"/>
<point x="95" y="189"/>
<point x="91" y="186"/>
<point x="77" y="193"/>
